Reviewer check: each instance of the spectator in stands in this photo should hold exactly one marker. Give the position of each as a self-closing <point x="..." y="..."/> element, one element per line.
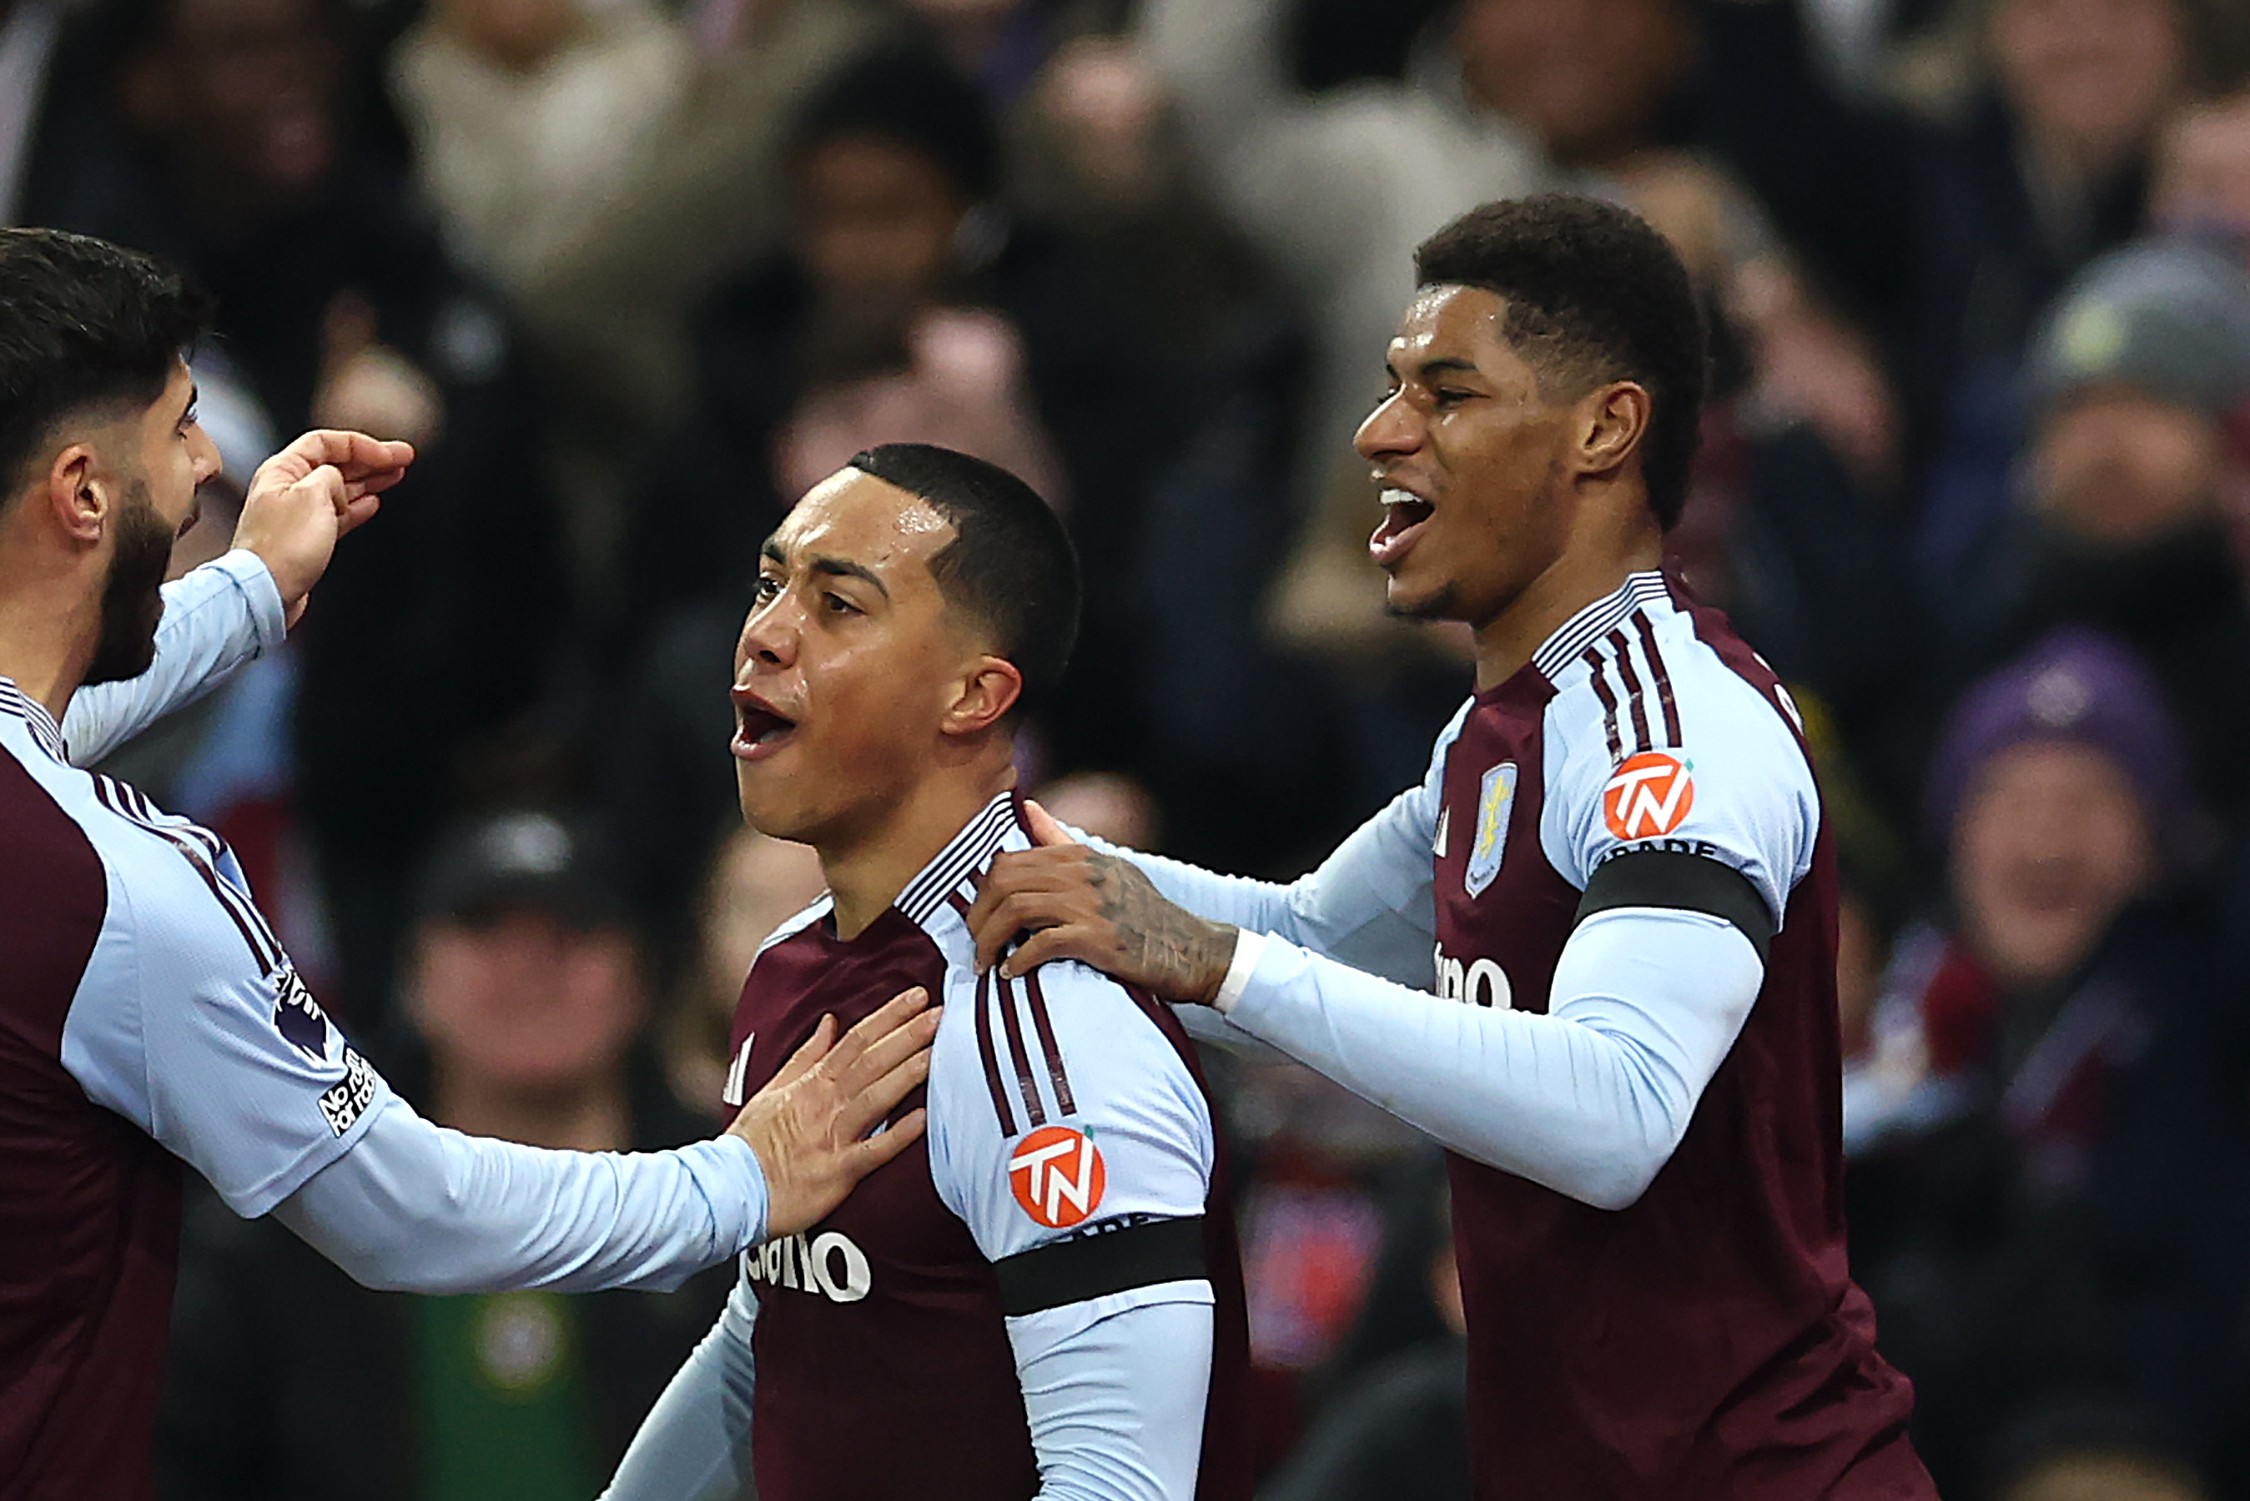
<point x="2202" y="186"/>
<point x="909" y="305"/>
<point x="240" y="152"/>
<point x="753" y="885"/>
<point x="2045" y="1191"/>
<point x="2128" y="511"/>
<point x="1399" y="1426"/>
<point x="289" y="1379"/>
<point x="530" y="117"/>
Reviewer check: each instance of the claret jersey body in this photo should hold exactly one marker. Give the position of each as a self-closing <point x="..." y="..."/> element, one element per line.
<point x="1070" y="1172"/>
<point x="1706" y="1341"/>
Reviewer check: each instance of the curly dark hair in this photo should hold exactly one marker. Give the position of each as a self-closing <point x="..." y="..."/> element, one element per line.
<point x="84" y="325"/>
<point x="1593" y="294"/>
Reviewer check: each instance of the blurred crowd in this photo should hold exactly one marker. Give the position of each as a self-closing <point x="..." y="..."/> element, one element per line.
<point x="632" y="273"/>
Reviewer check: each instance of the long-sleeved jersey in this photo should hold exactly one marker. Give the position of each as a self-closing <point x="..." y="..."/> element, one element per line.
<point x="1603" y="938"/>
<point x="1041" y="1299"/>
<point x="148" y="1016"/>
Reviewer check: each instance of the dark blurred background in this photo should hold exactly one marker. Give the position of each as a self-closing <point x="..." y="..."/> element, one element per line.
<point x="632" y="273"/>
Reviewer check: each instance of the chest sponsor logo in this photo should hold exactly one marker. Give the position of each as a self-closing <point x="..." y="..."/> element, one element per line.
<point x="348" y="1098"/>
<point x="1496" y="799"/>
<point x="827" y="1265"/>
<point x="1477" y="982"/>
<point x="1649" y="796"/>
<point x="1057" y="1176"/>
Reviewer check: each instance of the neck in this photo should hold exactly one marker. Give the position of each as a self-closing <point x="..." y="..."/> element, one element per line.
<point x="591" y="1116"/>
<point x="49" y="623"/>
<point x="866" y="871"/>
<point x="1573" y="581"/>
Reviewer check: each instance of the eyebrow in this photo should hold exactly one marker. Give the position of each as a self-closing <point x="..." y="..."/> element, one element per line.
<point x="1443" y="365"/>
<point x="774" y="552"/>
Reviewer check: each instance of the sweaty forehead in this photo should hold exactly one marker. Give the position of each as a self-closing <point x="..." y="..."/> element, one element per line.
<point x="854" y="517"/>
<point x="1451" y="322"/>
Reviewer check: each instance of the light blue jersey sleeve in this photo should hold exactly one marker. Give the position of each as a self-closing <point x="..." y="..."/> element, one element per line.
<point x="694" y="1445"/>
<point x="191" y="1022"/>
<point x="216" y="619"/>
<point x="1069" y="1135"/>
<point x="1592" y="1096"/>
<point x="1367" y="905"/>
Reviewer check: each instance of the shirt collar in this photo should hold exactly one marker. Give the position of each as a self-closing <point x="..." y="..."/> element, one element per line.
<point x="15" y="701"/>
<point x="968" y="852"/>
<point x="1598" y="620"/>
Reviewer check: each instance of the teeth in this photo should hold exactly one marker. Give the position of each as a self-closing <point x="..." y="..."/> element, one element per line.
<point x="1396" y="497"/>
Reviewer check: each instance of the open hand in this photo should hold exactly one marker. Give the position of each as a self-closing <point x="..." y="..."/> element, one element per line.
<point x="307" y="496"/>
<point x="809" y="1124"/>
<point x="1078" y="903"/>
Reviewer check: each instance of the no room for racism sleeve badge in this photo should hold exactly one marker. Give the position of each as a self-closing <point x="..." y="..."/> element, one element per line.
<point x="1496" y="797"/>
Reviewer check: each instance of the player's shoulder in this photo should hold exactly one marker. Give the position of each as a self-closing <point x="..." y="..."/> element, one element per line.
<point x="1063" y="1043"/>
<point x="1661" y="684"/>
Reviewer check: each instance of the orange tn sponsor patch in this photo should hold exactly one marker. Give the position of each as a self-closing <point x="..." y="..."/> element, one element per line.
<point x="1649" y="796"/>
<point x="1057" y="1176"/>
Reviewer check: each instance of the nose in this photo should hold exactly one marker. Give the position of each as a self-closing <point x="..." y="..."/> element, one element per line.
<point x="1392" y="429"/>
<point x="769" y="637"/>
<point x="202" y="453"/>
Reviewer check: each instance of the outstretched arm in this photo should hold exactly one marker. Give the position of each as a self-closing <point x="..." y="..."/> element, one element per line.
<point x="695" y="1443"/>
<point x="415" y="1207"/>
<point x="1589" y="1099"/>
<point x="1367" y="905"/>
<point x="418" y="1208"/>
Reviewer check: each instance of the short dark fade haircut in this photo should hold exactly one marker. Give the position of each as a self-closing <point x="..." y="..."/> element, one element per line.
<point x="84" y="326"/>
<point x="1010" y="563"/>
<point x="1594" y="294"/>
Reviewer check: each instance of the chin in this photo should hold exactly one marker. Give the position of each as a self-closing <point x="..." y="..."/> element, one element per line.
<point x="1407" y="603"/>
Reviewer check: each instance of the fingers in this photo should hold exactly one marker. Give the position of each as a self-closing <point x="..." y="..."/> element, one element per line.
<point x="889" y="1051"/>
<point x="811" y="1052"/>
<point x="844" y="1064"/>
<point x="355" y="512"/>
<point x="356" y="454"/>
<point x="868" y="1155"/>
<point x="1018" y="913"/>
<point x="1047" y="945"/>
<point x="1045" y="829"/>
<point x="860" y="1111"/>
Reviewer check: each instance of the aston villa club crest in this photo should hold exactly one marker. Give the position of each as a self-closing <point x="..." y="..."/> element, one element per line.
<point x="1496" y="798"/>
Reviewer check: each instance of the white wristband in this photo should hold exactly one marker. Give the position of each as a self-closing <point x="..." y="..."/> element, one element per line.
<point x="1248" y="946"/>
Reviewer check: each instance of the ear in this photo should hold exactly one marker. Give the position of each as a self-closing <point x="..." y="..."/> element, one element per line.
<point x="79" y="491"/>
<point x="1611" y="421"/>
<point x="987" y="694"/>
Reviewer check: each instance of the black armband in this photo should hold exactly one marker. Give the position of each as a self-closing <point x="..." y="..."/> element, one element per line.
<point x="1093" y="1266"/>
<point x="1691" y="883"/>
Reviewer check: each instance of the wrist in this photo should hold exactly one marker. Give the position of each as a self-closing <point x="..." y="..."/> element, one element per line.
<point x="1215" y="959"/>
<point x="1242" y="962"/>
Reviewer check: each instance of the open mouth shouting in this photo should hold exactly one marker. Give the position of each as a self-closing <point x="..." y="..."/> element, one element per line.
<point x="1404" y="514"/>
<point x="760" y="729"/>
